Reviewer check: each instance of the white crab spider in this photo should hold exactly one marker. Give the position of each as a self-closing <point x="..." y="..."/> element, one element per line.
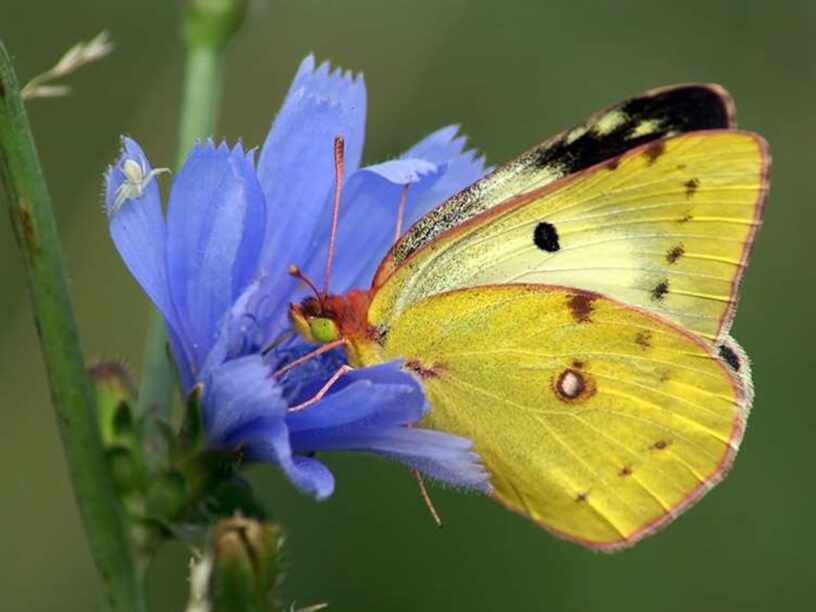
<point x="136" y="180"/>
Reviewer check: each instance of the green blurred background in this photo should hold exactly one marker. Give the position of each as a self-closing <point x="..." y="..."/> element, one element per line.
<point x="511" y="73"/>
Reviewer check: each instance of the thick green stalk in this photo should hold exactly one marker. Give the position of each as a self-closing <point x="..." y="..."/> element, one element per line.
<point x="74" y="403"/>
<point x="208" y="26"/>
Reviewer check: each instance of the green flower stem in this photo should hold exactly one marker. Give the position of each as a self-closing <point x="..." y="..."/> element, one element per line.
<point x="74" y="402"/>
<point x="208" y="26"/>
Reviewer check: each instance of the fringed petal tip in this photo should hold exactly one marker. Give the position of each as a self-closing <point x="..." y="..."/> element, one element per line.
<point x="221" y="150"/>
<point x="443" y="457"/>
<point x="403" y="171"/>
<point x="445" y="145"/>
<point x="323" y="81"/>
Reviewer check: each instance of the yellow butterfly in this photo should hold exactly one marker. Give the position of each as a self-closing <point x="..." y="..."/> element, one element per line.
<point x="569" y="313"/>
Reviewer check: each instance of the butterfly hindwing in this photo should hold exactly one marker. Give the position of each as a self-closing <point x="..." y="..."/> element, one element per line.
<point x="596" y="420"/>
<point x="605" y="135"/>
<point x="666" y="226"/>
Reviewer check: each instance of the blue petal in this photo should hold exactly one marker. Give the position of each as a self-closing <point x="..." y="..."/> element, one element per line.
<point x="368" y="211"/>
<point x="296" y="166"/>
<point x="271" y="443"/>
<point x="237" y="394"/>
<point x="303" y="382"/>
<point x="216" y="221"/>
<point x="463" y="167"/>
<point x="376" y="396"/>
<point x="371" y="413"/>
<point x="243" y="407"/>
<point x="441" y="456"/>
<point x="404" y="171"/>
<point x="240" y="332"/>
<point x="138" y="231"/>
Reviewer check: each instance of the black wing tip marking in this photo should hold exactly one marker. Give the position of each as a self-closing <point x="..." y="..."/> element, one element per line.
<point x="666" y="111"/>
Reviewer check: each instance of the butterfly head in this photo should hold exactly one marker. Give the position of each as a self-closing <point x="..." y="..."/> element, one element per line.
<point x="337" y="319"/>
<point x="312" y="320"/>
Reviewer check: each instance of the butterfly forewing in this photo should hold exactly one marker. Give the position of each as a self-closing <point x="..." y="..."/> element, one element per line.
<point x="596" y="420"/>
<point x="605" y="135"/>
<point x="667" y="227"/>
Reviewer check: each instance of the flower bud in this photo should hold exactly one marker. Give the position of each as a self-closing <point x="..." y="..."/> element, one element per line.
<point x="246" y="565"/>
<point x="212" y="23"/>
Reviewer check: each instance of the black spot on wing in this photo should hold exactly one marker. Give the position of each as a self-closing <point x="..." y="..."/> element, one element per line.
<point x="730" y="357"/>
<point x="675" y="253"/>
<point x="660" y="290"/>
<point x="545" y="237"/>
<point x="691" y="186"/>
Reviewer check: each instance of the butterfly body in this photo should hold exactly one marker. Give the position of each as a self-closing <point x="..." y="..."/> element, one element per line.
<point x="569" y="313"/>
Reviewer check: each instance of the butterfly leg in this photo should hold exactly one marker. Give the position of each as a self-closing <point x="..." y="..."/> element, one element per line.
<point x="423" y="491"/>
<point x="323" y="390"/>
<point x="323" y="348"/>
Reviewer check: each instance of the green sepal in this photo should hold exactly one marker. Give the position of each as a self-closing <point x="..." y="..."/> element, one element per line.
<point x="159" y="443"/>
<point x="125" y="471"/>
<point x="166" y="496"/>
<point x="115" y="395"/>
<point x="192" y="436"/>
<point x="235" y="496"/>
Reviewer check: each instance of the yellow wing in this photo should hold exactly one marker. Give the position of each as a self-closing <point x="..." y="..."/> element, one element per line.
<point x="667" y="227"/>
<point x="598" y="421"/>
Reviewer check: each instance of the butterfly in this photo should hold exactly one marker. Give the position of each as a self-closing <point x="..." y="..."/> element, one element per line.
<point x="570" y="312"/>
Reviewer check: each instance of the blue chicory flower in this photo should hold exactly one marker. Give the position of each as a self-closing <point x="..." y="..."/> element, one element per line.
<point x="216" y="268"/>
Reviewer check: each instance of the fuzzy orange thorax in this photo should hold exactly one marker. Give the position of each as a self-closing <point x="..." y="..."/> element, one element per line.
<point x="349" y="312"/>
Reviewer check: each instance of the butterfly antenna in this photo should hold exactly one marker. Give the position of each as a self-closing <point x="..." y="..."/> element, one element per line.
<point x="401" y="211"/>
<point x="298" y="274"/>
<point x="426" y="498"/>
<point x="339" y="146"/>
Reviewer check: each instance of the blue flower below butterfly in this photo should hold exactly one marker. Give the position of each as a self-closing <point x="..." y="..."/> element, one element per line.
<point x="217" y="269"/>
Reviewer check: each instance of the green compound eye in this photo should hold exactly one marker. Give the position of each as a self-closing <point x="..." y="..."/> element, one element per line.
<point x="323" y="330"/>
